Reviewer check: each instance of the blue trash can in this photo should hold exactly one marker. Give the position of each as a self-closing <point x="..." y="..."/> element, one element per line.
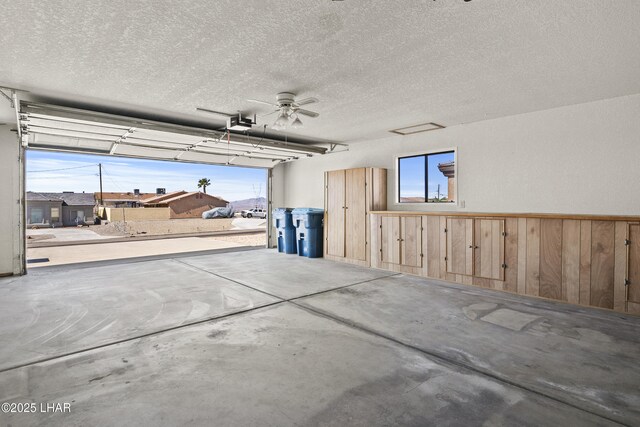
<point x="283" y="223"/>
<point x="309" y="224"/>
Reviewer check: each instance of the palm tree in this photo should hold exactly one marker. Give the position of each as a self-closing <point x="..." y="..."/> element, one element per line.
<point x="204" y="183"/>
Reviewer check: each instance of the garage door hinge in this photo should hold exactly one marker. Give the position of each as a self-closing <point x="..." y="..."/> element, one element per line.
<point x="445" y="230"/>
<point x="421" y="255"/>
<point x="445" y="258"/>
<point x="627" y="282"/>
<point x="504" y="233"/>
<point x="627" y="242"/>
<point x="504" y="265"/>
<point x="380" y="225"/>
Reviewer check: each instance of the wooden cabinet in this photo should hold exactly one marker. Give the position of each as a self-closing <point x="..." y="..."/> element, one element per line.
<point x="475" y="247"/>
<point x="459" y="246"/>
<point x="632" y="281"/>
<point x="401" y="241"/>
<point x="349" y="196"/>
<point x="334" y="212"/>
<point x="355" y="214"/>
<point x="588" y="260"/>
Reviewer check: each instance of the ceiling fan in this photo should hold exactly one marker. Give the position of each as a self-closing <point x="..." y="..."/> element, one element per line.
<point x="288" y="109"/>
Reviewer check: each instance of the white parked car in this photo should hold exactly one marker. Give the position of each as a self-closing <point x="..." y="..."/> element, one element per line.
<point x="254" y="213"/>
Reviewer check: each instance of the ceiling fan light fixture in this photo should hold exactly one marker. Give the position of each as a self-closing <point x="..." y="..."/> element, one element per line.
<point x="280" y="122"/>
<point x="297" y="123"/>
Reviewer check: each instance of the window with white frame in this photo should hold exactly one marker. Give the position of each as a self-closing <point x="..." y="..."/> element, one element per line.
<point x="427" y="178"/>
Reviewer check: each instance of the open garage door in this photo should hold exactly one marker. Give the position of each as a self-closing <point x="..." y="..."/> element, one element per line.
<point x="62" y="129"/>
<point x="67" y="129"/>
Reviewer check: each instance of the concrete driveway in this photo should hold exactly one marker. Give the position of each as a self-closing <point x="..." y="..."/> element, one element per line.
<point x="66" y="234"/>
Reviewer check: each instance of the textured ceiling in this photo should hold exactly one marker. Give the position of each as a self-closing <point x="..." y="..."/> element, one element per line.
<point x="374" y="65"/>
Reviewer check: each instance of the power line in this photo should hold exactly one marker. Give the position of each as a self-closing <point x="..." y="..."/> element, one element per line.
<point x="108" y="175"/>
<point x="63" y="169"/>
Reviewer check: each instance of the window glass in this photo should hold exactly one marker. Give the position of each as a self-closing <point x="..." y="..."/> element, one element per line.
<point x="36" y="216"/>
<point x="55" y="214"/>
<point x="427" y="178"/>
<point x="412" y="179"/>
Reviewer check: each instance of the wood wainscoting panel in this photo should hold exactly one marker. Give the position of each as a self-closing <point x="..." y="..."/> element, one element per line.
<point x="533" y="257"/>
<point x="571" y="261"/>
<point x="551" y="258"/>
<point x="633" y="268"/>
<point x="602" y="263"/>
<point x="511" y="255"/>
<point x="585" y="262"/>
<point x="522" y="256"/>
<point x="620" y="268"/>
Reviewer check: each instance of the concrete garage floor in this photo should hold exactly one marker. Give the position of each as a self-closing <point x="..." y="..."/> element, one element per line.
<point x="261" y="338"/>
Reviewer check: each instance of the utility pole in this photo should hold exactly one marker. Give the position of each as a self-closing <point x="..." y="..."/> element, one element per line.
<point x="100" y="169"/>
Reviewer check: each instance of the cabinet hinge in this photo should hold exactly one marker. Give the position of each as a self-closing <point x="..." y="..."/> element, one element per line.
<point x="421" y="228"/>
<point x="380" y="225"/>
<point x="421" y="255"/>
<point x="627" y="282"/>
<point x="380" y="250"/>
<point x="504" y="233"/>
<point x="627" y="242"/>
<point x="504" y="265"/>
<point x="445" y="258"/>
<point x="445" y="230"/>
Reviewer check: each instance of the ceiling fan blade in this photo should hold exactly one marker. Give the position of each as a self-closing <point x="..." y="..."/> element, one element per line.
<point x="268" y="114"/>
<point x="262" y="102"/>
<point x="306" y="112"/>
<point x="307" y="101"/>
<point x="220" y="113"/>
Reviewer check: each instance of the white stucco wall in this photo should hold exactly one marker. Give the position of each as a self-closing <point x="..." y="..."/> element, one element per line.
<point x="11" y="236"/>
<point x="582" y="159"/>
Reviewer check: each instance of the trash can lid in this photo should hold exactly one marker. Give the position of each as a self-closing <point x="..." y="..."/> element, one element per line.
<point x="305" y="211"/>
<point x="282" y="210"/>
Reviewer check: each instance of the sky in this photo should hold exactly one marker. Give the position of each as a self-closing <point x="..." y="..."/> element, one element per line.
<point x="412" y="175"/>
<point x="123" y="175"/>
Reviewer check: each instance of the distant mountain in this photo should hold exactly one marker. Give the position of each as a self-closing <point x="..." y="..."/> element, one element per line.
<point x="239" y="205"/>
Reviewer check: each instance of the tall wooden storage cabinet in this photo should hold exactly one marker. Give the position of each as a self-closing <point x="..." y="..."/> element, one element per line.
<point x="350" y="194"/>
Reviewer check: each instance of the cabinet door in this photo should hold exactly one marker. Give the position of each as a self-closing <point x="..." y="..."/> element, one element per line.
<point x="411" y="241"/>
<point x="335" y="212"/>
<point x="355" y="214"/>
<point x="460" y="246"/>
<point x="489" y="248"/>
<point x="390" y="239"/>
<point x="633" y="264"/>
